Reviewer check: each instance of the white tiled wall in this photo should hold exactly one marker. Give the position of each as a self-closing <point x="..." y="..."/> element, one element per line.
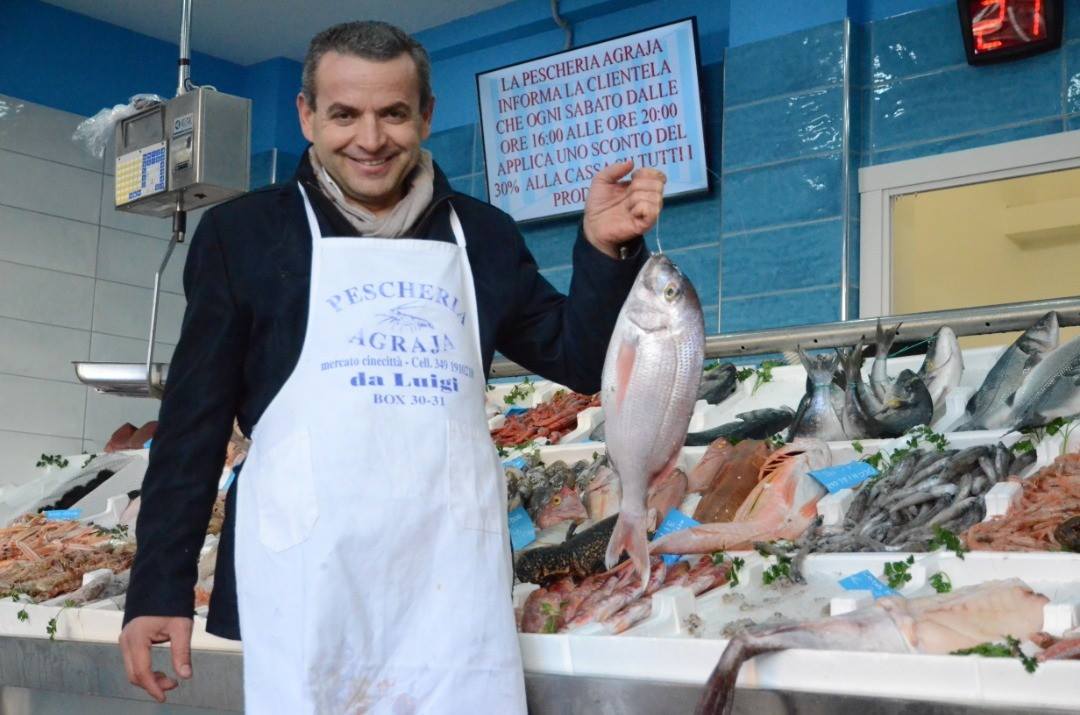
<point x="76" y="279"/>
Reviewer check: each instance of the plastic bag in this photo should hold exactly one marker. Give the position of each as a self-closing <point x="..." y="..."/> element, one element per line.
<point x="94" y="133"/>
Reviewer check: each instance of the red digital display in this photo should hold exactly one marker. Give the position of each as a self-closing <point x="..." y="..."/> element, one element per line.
<point x="1001" y="29"/>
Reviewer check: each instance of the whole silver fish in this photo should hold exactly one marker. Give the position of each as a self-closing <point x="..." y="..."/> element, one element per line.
<point x="942" y="368"/>
<point x="879" y="374"/>
<point x="651" y="376"/>
<point x="1051" y="389"/>
<point x="852" y="417"/>
<point x="907" y="404"/>
<point x="990" y="407"/>
<point x="819" y="412"/>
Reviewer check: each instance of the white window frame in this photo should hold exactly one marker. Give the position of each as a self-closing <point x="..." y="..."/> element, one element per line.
<point x="879" y="185"/>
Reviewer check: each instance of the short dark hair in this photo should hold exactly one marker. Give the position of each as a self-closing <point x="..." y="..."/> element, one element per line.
<point x="371" y="40"/>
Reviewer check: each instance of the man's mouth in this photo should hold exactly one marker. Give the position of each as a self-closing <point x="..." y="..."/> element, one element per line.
<point x="371" y="163"/>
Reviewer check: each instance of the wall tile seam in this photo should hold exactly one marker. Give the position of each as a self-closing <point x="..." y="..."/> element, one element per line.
<point x="86" y="223"/>
<point x="41" y="434"/>
<point x="158" y="343"/>
<point x="965" y="135"/>
<point x="88" y="277"/>
<point x="819" y="89"/>
<point x="943" y="69"/>
<point x="780" y="162"/>
<point x="73" y="381"/>
<point x="1064" y="83"/>
<point x="788" y="291"/>
<point x="50" y="160"/>
<point x="80" y="330"/>
<point x="782" y="226"/>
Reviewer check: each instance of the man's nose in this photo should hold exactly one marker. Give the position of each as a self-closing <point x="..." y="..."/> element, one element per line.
<point x="369" y="134"/>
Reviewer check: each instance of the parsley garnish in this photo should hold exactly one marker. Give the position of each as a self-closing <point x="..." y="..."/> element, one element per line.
<point x="736" y="565"/>
<point x="943" y="538"/>
<point x="51" y="627"/>
<point x="941" y="582"/>
<point x="520" y="391"/>
<point x="1010" y="649"/>
<point x="22" y="615"/>
<point x="898" y="573"/>
<point x="52" y="459"/>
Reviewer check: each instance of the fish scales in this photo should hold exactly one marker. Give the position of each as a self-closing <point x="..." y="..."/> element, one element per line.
<point x="650" y="382"/>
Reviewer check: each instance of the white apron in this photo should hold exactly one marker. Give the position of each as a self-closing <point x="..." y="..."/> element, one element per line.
<point x="372" y="553"/>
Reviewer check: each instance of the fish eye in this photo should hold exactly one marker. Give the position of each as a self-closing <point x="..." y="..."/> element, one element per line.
<point x="671" y="291"/>
<point x="556" y="500"/>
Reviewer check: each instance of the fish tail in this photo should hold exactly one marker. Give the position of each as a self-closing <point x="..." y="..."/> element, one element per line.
<point x="630" y="536"/>
<point x="719" y="690"/>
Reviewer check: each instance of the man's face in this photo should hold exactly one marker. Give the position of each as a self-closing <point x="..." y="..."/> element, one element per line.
<point x="367" y="125"/>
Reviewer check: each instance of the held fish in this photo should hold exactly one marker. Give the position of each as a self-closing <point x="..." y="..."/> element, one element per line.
<point x="990" y="407"/>
<point x="754" y="424"/>
<point x="938" y="624"/>
<point x="819" y="412"/>
<point x="650" y="383"/>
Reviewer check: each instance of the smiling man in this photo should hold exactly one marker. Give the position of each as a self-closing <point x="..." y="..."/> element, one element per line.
<point x="348" y="319"/>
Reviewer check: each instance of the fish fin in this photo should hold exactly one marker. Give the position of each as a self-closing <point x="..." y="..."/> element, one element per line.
<point x="624" y="370"/>
<point x="630" y="536"/>
<point x="719" y="693"/>
<point x="1010" y="399"/>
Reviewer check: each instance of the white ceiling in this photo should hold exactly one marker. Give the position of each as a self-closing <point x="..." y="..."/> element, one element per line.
<point x="249" y="31"/>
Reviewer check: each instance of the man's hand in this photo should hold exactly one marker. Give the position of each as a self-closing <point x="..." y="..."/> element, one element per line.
<point x="135" y="641"/>
<point x="618" y="211"/>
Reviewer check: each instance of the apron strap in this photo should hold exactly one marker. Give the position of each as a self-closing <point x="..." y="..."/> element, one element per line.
<point x="313" y="223"/>
<point x="455" y="225"/>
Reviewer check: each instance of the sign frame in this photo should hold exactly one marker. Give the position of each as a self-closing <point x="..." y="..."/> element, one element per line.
<point x="708" y="178"/>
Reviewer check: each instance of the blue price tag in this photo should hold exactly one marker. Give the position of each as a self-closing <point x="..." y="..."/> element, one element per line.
<point x="844" y="476"/>
<point x="522" y="531"/>
<point x="147" y="443"/>
<point x="675" y="521"/>
<point x="510" y="412"/>
<point x="515" y="463"/>
<point x="63" y="514"/>
<point x="866" y="581"/>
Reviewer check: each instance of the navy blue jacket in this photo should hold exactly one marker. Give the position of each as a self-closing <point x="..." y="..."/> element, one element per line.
<point x="247" y="282"/>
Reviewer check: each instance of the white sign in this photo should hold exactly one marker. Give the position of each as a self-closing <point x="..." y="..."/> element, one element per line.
<point x="551" y="124"/>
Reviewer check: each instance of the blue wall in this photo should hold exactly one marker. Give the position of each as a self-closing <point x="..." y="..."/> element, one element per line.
<point x="763" y="247"/>
<point x="68" y="61"/>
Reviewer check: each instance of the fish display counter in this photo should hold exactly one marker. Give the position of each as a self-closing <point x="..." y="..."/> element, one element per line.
<point x="821" y="563"/>
<point x="901" y="530"/>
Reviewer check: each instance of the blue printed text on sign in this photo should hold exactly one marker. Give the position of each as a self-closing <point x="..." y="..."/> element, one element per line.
<point x="551" y="124"/>
<point x="844" y="476"/>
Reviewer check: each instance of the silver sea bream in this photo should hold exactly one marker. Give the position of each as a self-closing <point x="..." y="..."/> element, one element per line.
<point x="651" y="377"/>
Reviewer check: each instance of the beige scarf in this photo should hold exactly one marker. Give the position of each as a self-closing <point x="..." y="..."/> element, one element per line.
<point x="421" y="187"/>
